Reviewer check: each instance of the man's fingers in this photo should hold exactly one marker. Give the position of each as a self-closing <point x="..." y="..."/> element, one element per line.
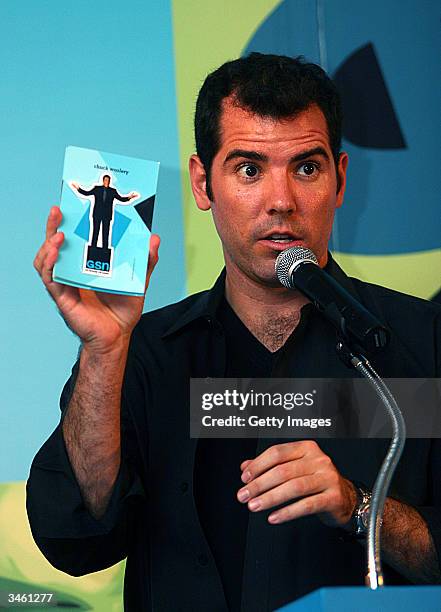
<point x="287" y="492"/>
<point x="52" y="237"/>
<point x="53" y="221"/>
<point x="280" y="453"/>
<point x="296" y="470"/>
<point x="153" y="256"/>
<point x="155" y="241"/>
<point x="41" y="254"/>
<point x="48" y="263"/>
<point x="47" y="267"/>
<point x="279" y="474"/>
<point x="304" y="507"/>
<point x="55" y="240"/>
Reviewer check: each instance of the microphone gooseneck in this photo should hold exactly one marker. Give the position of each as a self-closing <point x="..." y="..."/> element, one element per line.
<point x="297" y="268"/>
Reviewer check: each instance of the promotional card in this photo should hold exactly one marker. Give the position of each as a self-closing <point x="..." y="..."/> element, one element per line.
<point x="107" y="203"/>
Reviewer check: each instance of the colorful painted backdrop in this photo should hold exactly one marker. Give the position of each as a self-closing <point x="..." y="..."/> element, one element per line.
<point x="123" y="78"/>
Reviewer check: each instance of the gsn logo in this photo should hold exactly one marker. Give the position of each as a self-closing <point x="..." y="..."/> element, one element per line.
<point x="98" y="265"/>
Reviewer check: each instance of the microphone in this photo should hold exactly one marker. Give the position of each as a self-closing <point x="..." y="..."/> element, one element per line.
<point x="297" y="268"/>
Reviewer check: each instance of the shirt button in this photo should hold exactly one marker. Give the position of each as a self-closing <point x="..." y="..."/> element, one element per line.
<point x="202" y="559"/>
<point x="184" y="487"/>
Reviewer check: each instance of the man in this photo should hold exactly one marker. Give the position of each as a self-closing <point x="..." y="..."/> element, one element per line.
<point x="102" y="208"/>
<point x="233" y="524"/>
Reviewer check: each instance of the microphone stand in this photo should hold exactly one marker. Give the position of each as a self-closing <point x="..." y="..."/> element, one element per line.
<point x="374" y="577"/>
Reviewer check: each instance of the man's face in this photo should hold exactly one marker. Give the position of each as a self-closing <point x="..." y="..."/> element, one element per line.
<point x="106" y="181"/>
<point x="274" y="186"/>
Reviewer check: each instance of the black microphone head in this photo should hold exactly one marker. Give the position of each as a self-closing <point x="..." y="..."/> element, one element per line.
<point x="288" y="260"/>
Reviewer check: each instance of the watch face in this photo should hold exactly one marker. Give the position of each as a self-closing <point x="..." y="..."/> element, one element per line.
<point x="365" y="520"/>
<point x="365" y="516"/>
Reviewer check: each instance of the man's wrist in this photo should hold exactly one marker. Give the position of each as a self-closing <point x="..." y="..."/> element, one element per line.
<point x="115" y="353"/>
<point x="357" y="526"/>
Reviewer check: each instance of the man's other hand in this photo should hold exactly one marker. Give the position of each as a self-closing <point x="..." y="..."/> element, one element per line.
<point x="300" y="475"/>
<point x="103" y="321"/>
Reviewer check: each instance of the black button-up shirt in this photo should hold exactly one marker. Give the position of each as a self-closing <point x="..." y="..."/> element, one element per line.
<point x="152" y="517"/>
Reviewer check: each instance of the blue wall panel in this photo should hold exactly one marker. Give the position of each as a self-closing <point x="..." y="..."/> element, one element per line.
<point x="93" y="74"/>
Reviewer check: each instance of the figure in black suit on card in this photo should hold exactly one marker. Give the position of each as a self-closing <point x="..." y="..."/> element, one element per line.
<point x="101" y="217"/>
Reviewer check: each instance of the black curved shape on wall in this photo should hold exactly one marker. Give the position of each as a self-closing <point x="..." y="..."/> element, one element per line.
<point x="369" y="116"/>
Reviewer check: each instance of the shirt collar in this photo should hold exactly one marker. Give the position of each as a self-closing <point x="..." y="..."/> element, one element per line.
<point x="205" y="304"/>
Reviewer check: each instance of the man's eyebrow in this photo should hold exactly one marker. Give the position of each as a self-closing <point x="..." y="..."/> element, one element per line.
<point x="310" y="153"/>
<point x="254" y="155"/>
<point x="246" y="154"/>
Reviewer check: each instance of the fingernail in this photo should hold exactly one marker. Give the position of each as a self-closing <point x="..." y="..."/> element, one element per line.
<point x="246" y="476"/>
<point x="273" y="518"/>
<point x="243" y="495"/>
<point x="254" y="504"/>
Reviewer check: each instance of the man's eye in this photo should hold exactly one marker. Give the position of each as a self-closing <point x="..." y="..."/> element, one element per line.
<point x="307" y="169"/>
<point x="248" y="171"/>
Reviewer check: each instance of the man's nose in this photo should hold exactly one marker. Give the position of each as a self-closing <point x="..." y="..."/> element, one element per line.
<point x="280" y="197"/>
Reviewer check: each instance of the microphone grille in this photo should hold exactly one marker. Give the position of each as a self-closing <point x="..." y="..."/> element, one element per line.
<point x="288" y="260"/>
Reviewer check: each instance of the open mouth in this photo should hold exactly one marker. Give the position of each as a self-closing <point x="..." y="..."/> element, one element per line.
<point x="281" y="240"/>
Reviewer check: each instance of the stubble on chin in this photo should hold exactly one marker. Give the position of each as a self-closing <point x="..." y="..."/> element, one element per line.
<point x="253" y="272"/>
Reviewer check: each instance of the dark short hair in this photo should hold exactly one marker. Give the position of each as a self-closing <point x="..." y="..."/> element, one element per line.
<point x="107" y="176"/>
<point x="273" y="86"/>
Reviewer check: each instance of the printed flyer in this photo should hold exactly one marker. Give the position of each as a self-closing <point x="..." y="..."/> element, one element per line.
<point x="107" y="203"/>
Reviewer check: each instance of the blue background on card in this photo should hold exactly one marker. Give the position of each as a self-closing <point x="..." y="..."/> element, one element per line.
<point x="66" y="81"/>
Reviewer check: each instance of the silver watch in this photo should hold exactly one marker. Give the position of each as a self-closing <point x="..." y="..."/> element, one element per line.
<point x="361" y="512"/>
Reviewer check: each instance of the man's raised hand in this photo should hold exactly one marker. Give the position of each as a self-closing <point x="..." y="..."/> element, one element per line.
<point x="102" y="321"/>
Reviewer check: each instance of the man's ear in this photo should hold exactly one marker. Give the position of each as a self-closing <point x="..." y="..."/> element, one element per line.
<point x="341" y="171"/>
<point x="198" y="178"/>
